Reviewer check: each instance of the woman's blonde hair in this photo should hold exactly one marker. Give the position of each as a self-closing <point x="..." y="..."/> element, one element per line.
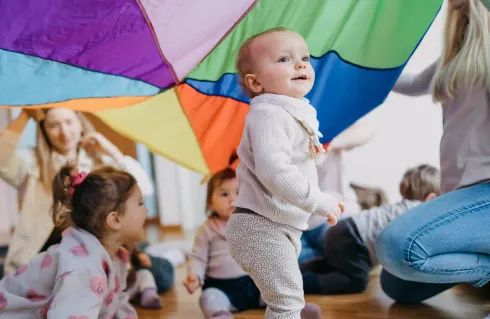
<point x="47" y="168"/>
<point x="466" y="53"/>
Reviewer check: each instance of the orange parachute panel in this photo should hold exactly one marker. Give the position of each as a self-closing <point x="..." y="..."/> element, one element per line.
<point x="217" y="123"/>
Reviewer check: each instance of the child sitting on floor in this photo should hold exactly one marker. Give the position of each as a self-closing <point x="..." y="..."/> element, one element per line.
<point x="85" y="275"/>
<point x="333" y="177"/>
<point x="349" y="246"/>
<point x="226" y="287"/>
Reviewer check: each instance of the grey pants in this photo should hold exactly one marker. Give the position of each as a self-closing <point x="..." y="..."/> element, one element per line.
<point x="269" y="252"/>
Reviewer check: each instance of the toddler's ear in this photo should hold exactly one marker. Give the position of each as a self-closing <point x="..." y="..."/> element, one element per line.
<point x="252" y="83"/>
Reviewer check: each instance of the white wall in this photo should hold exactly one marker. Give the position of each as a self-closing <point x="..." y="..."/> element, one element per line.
<point x="8" y="195"/>
<point x="181" y="197"/>
<point x="409" y="129"/>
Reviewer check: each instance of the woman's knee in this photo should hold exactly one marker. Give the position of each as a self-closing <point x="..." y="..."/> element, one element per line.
<point x="390" y="249"/>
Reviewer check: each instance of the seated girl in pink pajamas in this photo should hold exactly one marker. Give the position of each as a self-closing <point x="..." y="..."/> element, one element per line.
<point x="85" y="276"/>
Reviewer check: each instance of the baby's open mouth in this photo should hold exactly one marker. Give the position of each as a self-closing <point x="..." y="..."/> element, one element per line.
<point x="301" y="77"/>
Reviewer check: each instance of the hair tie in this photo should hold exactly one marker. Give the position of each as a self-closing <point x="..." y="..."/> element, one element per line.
<point x="76" y="179"/>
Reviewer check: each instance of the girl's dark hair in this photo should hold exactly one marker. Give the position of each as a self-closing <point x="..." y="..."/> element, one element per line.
<point x="103" y="191"/>
<point x="216" y="182"/>
<point x="419" y="182"/>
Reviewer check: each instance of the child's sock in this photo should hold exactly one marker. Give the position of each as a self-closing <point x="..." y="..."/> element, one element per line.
<point x="222" y="315"/>
<point x="150" y="299"/>
<point x="311" y="311"/>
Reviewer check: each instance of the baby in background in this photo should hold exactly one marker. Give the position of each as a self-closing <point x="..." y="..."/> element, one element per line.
<point x="226" y="287"/>
<point x="278" y="173"/>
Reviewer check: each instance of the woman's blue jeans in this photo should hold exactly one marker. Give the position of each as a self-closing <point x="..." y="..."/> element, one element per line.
<point x="440" y="243"/>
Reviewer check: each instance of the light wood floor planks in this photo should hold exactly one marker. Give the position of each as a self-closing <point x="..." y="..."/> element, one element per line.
<point x="463" y="302"/>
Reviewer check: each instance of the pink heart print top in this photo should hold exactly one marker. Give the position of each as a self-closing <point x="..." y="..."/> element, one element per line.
<point x="74" y="280"/>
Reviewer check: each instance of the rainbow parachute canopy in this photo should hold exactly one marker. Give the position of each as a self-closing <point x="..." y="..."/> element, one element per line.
<point x="162" y="72"/>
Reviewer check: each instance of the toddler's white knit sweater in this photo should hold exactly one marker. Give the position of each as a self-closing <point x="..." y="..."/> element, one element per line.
<point x="278" y="179"/>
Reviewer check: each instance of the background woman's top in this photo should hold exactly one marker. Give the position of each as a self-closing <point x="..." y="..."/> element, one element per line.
<point x="465" y="144"/>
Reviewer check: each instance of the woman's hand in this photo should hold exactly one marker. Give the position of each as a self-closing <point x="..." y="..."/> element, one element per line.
<point x="192" y="283"/>
<point x="96" y="142"/>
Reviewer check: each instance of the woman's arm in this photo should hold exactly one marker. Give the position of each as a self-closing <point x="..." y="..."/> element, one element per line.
<point x="198" y="259"/>
<point x="416" y="85"/>
<point x="13" y="167"/>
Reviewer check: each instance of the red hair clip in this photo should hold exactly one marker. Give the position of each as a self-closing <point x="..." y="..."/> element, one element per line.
<point x="76" y="179"/>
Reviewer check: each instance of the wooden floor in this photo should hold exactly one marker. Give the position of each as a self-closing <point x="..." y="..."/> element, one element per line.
<point x="463" y="302"/>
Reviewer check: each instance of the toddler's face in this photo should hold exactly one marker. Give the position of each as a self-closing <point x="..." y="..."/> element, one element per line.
<point x="282" y="65"/>
<point x="223" y="197"/>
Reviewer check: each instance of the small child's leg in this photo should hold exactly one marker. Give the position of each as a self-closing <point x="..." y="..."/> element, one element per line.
<point x="268" y="252"/>
<point x="148" y="289"/>
<point x="163" y="272"/>
<point x="336" y="282"/>
<point x="348" y="259"/>
<point x="215" y="304"/>
<point x="316" y="265"/>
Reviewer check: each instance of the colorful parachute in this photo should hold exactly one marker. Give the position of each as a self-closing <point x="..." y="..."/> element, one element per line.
<point x="162" y="72"/>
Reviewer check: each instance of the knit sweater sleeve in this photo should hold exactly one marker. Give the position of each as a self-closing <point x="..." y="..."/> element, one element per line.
<point x="416" y="85"/>
<point x="272" y="152"/>
<point x="198" y="259"/>
<point x="14" y="164"/>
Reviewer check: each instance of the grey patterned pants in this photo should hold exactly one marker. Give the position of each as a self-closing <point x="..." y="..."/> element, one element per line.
<point x="269" y="252"/>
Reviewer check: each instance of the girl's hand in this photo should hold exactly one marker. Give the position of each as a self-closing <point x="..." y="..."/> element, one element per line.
<point x="96" y="142"/>
<point x="144" y="260"/>
<point x="192" y="283"/>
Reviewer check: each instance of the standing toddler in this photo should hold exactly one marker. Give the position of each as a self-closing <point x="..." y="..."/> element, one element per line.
<point x="278" y="175"/>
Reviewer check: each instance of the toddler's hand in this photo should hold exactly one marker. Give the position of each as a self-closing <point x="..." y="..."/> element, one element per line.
<point x="192" y="283"/>
<point x="333" y="217"/>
